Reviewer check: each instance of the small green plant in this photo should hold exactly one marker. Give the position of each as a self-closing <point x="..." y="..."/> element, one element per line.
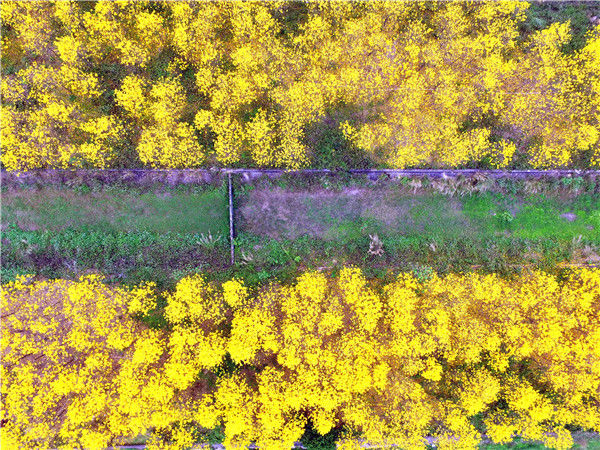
<point x="567" y="181"/>
<point x="280" y="182"/>
<point x="245" y="188"/>
<point x="325" y="182"/>
<point x="422" y="273"/>
<point x="278" y="254"/>
<point x="209" y="241"/>
<point x="404" y="180"/>
<point x="509" y="185"/>
<point x="263" y="275"/>
<point x="505" y="218"/>
<point x="575" y="183"/>
<point x="178" y="274"/>
<point x="213" y="436"/>
<point x="82" y="189"/>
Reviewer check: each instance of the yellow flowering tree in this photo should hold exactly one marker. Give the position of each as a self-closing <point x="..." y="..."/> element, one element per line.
<point x="156" y="109"/>
<point x="65" y="346"/>
<point x="192" y="83"/>
<point x="50" y="110"/>
<point x="393" y="363"/>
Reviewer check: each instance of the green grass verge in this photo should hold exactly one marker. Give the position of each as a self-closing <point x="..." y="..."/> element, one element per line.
<point x="498" y="230"/>
<point x="117" y="210"/>
<point x="536" y="216"/>
<point x="127" y="234"/>
<point x="161" y="235"/>
<point x="518" y="444"/>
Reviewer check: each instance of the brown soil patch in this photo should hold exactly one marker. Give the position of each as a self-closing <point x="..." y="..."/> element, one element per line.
<point x="278" y="213"/>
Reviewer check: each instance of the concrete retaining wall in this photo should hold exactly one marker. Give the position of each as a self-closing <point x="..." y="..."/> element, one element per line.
<point x="173" y="177"/>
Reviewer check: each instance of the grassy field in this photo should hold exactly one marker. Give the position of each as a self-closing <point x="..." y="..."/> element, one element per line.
<point x="311" y="440"/>
<point x="583" y="441"/>
<point x="393" y="209"/>
<point x="116" y="210"/>
<point x="391" y="226"/>
<point x="285" y="226"/>
<point x="125" y="234"/>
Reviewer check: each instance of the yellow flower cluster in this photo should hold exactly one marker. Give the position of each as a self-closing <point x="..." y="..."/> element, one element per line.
<point x="164" y="140"/>
<point x="394" y="363"/>
<point x="412" y="83"/>
<point x="61" y="132"/>
<point x="62" y="345"/>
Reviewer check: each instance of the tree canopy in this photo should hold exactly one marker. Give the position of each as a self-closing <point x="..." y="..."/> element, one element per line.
<point x="81" y="367"/>
<point x="191" y="84"/>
